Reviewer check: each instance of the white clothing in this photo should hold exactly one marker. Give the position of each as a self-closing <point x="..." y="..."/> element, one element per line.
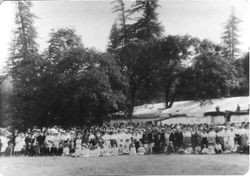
<point x="20" y="142"/>
<point x="4" y="142"/>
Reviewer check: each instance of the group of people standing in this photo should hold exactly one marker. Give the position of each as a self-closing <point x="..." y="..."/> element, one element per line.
<point x="127" y="139"/>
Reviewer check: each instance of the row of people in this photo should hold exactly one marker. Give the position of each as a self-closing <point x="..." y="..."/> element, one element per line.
<point x="154" y="139"/>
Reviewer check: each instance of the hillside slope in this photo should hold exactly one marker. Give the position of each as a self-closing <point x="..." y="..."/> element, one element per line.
<point x="191" y="108"/>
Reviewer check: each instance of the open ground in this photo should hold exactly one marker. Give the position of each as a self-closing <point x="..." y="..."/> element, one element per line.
<point x="231" y="164"/>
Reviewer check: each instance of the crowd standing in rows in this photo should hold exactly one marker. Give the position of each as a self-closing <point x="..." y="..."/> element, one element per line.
<point x="127" y="139"/>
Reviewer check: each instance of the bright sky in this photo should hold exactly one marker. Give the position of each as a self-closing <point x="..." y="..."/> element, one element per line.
<point x="93" y="20"/>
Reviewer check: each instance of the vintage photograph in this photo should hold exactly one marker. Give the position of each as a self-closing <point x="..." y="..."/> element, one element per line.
<point x="124" y="87"/>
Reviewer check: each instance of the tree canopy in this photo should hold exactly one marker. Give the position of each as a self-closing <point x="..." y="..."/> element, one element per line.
<point x="69" y="84"/>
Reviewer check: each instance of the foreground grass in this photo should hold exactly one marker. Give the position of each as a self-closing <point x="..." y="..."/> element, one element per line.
<point x="154" y="164"/>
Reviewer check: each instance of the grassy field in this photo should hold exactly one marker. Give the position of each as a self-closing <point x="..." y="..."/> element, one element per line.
<point x="154" y="164"/>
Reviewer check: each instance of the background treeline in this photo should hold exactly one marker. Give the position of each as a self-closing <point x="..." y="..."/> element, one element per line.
<point x="69" y="84"/>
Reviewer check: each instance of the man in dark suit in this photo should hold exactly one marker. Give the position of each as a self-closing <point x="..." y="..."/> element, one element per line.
<point x="177" y="139"/>
<point x="172" y="138"/>
<point x="40" y="139"/>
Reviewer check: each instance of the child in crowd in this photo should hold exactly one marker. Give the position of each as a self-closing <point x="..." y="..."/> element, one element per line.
<point x="197" y="150"/>
<point x="120" y="150"/>
<point x="235" y="148"/>
<point x="132" y="149"/>
<point x="66" y="150"/>
<point x="170" y="148"/>
<point x="211" y="149"/>
<point x="227" y="148"/>
<point x="147" y="148"/>
<point x="189" y="149"/>
<point x="204" y="149"/>
<point x="77" y="152"/>
<point x="85" y="151"/>
<point x="141" y="149"/>
<point x="181" y="150"/>
<point x="94" y="152"/>
<point x="218" y="148"/>
<point x="114" y="150"/>
<point x="125" y="150"/>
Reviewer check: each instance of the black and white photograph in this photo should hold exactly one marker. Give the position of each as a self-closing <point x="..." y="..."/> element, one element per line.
<point x="124" y="87"/>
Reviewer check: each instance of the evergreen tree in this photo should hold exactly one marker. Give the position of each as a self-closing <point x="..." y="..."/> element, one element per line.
<point x="147" y="26"/>
<point x="114" y="38"/>
<point x="23" y="48"/>
<point x="23" y="61"/>
<point x="119" y="8"/>
<point x="133" y="61"/>
<point x="230" y="36"/>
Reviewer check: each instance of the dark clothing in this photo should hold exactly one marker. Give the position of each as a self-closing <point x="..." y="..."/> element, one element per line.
<point x="204" y="141"/>
<point x="145" y="138"/>
<point x="196" y="140"/>
<point x="113" y="142"/>
<point x="29" y="146"/>
<point x="40" y="139"/>
<point x="171" y="137"/>
<point x="177" y="139"/>
<point x="150" y="137"/>
<point x="220" y="140"/>
<point x="157" y="143"/>
<point x="85" y="139"/>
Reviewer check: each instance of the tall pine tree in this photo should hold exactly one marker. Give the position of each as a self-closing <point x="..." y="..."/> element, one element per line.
<point x="147" y="26"/>
<point x="119" y="7"/>
<point x="230" y="36"/>
<point x="23" y="47"/>
<point x="114" y="38"/>
<point x="23" y="62"/>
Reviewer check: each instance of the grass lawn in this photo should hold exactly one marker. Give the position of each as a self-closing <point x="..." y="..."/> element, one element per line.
<point x="231" y="164"/>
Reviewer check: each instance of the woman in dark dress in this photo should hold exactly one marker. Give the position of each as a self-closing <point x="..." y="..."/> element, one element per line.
<point x="196" y="139"/>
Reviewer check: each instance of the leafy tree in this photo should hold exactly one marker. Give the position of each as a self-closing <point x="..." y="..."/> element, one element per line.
<point x="211" y="75"/>
<point x="80" y="84"/>
<point x="93" y="84"/>
<point x="130" y="62"/>
<point x="242" y="75"/>
<point x="230" y="36"/>
<point x="245" y="65"/>
<point x="61" y="41"/>
<point x="170" y="53"/>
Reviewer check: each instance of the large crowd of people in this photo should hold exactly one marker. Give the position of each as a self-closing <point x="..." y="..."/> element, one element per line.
<point x="127" y="139"/>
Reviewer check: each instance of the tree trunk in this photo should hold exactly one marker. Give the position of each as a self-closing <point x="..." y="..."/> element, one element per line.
<point x="169" y="97"/>
<point x="132" y="97"/>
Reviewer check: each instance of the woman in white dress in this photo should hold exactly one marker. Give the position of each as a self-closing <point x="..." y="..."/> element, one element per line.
<point x="19" y="144"/>
<point x="4" y="143"/>
<point x="231" y="137"/>
<point x="78" y="143"/>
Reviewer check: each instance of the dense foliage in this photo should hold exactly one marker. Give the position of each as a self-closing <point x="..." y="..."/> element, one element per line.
<point x="69" y="84"/>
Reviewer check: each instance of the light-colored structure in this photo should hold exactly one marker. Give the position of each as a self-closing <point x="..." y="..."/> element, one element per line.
<point x="191" y="112"/>
<point x="135" y="120"/>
